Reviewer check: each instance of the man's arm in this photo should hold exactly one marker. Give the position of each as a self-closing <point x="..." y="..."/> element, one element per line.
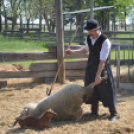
<point x="76" y="52"/>
<point x="103" y="56"/>
<point x="98" y="74"/>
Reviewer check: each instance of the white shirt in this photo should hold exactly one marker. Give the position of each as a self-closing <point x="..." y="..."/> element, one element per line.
<point x="106" y="46"/>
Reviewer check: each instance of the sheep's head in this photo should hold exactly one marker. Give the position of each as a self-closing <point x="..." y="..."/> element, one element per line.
<point x="28" y="109"/>
<point x="24" y="112"/>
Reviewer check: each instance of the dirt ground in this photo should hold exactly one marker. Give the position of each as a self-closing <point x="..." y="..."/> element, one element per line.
<point x="15" y="96"/>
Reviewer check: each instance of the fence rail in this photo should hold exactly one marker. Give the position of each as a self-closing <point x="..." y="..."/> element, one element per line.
<point x="51" y="36"/>
<point x="74" y="70"/>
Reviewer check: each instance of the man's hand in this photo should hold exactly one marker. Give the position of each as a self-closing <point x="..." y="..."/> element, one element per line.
<point x="68" y="52"/>
<point x="98" y="74"/>
<point x="80" y="51"/>
<point x="97" y="80"/>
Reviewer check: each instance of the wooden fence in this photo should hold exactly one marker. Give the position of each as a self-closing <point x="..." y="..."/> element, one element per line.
<point x="47" y="71"/>
<point x="51" y="36"/>
<point x="74" y="70"/>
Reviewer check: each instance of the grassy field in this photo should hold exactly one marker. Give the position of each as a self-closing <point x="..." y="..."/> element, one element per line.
<point x="123" y="54"/>
<point x="9" y="44"/>
<point x="13" y="44"/>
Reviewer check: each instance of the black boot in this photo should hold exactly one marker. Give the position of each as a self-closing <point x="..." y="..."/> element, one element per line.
<point x="94" y="110"/>
<point x="113" y="116"/>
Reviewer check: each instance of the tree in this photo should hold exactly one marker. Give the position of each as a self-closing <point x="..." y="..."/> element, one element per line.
<point x="27" y="12"/>
<point x="79" y="21"/>
<point x="46" y="8"/>
<point x="0" y="16"/>
<point x="124" y="9"/>
<point x="75" y="6"/>
<point x="10" y="11"/>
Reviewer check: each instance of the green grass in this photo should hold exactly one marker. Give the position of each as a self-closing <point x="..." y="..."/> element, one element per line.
<point x="13" y="44"/>
<point x="122" y="36"/>
<point x="123" y="54"/>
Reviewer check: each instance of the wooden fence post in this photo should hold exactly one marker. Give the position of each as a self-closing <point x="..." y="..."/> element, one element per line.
<point x="129" y="61"/>
<point x="114" y="21"/>
<point x="91" y="9"/>
<point x="0" y="17"/>
<point x="118" y="67"/>
<point x="107" y="21"/>
<point x="60" y="40"/>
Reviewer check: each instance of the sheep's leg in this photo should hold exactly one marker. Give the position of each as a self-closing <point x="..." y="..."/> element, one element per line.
<point x="79" y="113"/>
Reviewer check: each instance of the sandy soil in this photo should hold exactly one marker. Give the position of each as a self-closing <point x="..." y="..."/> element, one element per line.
<point x="14" y="97"/>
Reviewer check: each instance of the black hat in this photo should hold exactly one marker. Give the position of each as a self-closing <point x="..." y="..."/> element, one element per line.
<point x="92" y="24"/>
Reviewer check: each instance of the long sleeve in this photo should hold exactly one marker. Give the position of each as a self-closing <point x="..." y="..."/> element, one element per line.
<point x="86" y="45"/>
<point x="106" y="46"/>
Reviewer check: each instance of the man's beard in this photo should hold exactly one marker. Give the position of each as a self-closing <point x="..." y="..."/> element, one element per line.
<point x="91" y="35"/>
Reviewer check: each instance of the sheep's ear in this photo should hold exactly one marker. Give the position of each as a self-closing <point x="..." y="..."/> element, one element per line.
<point x="25" y="108"/>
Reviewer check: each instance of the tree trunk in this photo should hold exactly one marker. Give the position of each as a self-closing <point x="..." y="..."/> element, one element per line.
<point x="28" y="25"/>
<point x="79" y="21"/>
<point x="0" y="17"/>
<point x="125" y="22"/>
<point x="103" y="21"/>
<point x="47" y="22"/>
<point x="40" y="23"/>
<point x="13" y="23"/>
<point x="21" y="23"/>
<point x="53" y="28"/>
<point x="6" y="26"/>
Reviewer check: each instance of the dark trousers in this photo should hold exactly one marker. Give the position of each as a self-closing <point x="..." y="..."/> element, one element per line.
<point x="95" y="107"/>
<point x="104" y="92"/>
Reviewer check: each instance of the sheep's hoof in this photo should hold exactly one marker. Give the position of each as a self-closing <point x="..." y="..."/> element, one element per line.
<point x="78" y="118"/>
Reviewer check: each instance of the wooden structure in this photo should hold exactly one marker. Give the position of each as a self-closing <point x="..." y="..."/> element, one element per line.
<point x="60" y="40"/>
<point x="45" y="70"/>
<point x="91" y="9"/>
<point x="73" y="70"/>
<point x="50" y="36"/>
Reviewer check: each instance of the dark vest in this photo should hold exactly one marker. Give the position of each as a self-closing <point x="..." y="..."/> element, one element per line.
<point x="94" y="50"/>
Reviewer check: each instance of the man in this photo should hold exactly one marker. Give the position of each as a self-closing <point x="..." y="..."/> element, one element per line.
<point x="98" y="66"/>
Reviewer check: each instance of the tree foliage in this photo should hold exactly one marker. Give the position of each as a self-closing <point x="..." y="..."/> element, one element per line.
<point x="124" y="8"/>
<point x="30" y="9"/>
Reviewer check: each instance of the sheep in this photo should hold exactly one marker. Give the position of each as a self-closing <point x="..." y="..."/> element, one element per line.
<point x="66" y="102"/>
